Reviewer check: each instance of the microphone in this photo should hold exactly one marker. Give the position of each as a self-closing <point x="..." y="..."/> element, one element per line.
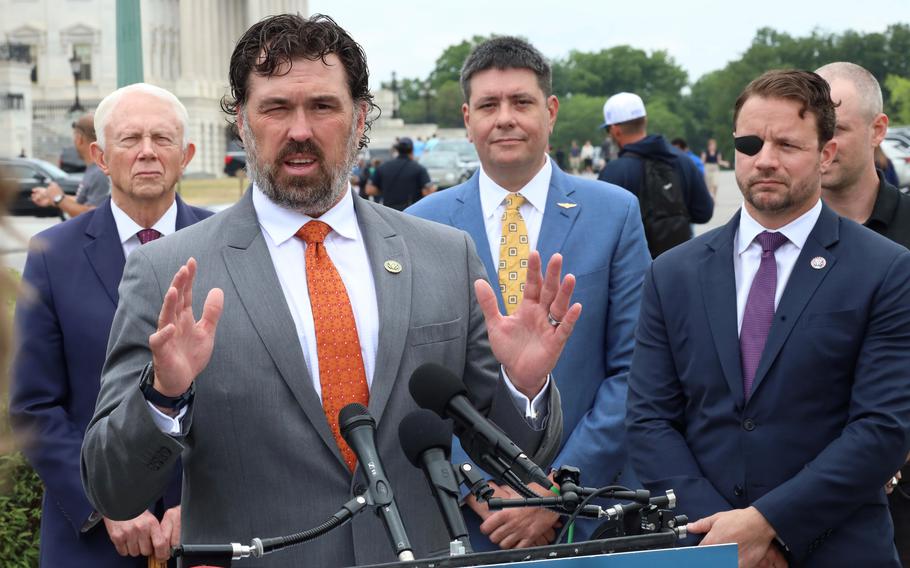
<point x="436" y="388"/>
<point x="427" y="442"/>
<point x="358" y="429"/>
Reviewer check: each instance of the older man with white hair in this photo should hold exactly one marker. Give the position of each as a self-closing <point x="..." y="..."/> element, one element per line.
<point x="72" y="275"/>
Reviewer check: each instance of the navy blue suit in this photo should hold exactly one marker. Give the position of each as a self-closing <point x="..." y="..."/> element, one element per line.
<point x="62" y="324"/>
<point x="827" y="421"/>
<point x="598" y="231"/>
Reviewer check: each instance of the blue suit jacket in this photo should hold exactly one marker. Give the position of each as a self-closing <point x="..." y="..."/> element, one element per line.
<point x="62" y="323"/>
<point x="603" y="245"/>
<point x="827" y="421"/>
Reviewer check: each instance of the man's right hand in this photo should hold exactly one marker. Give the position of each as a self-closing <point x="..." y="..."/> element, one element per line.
<point x="141" y="536"/>
<point x="40" y="197"/>
<point x="182" y="347"/>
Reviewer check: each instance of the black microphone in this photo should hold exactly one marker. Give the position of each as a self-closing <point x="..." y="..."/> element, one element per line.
<point x="358" y="429"/>
<point x="427" y="442"/>
<point x="436" y="388"/>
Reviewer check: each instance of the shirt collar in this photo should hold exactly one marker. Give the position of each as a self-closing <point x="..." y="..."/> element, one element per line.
<point x="797" y="231"/>
<point x="281" y="223"/>
<point x="885" y="204"/>
<point x="535" y="191"/>
<point x="127" y="228"/>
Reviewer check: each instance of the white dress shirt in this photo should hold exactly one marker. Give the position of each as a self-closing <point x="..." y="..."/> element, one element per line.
<point x="747" y="253"/>
<point x="492" y="203"/>
<point x="127" y="228"/>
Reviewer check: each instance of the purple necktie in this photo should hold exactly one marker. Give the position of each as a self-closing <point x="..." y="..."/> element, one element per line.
<point x="759" y="312"/>
<point x="146" y="235"/>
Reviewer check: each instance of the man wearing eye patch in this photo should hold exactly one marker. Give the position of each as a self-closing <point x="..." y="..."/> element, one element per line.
<point x="768" y="382"/>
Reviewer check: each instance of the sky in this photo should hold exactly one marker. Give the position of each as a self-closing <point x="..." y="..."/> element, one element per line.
<point x="702" y="36"/>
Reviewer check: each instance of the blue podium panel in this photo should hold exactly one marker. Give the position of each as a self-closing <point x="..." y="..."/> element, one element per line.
<point x="715" y="556"/>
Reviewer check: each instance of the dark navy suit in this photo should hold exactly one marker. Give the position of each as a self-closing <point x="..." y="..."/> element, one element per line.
<point x="597" y="228"/>
<point x="827" y="421"/>
<point x="62" y="325"/>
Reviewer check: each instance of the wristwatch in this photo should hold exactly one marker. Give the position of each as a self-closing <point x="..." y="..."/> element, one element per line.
<point x="58" y="199"/>
<point x="173" y="402"/>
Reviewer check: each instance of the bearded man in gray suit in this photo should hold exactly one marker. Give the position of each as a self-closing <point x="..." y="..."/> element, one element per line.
<point x="239" y="393"/>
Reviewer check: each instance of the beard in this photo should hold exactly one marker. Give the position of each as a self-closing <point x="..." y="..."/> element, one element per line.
<point x="798" y="192"/>
<point x="312" y="195"/>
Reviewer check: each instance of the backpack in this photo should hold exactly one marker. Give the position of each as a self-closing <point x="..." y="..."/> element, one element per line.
<point x="663" y="207"/>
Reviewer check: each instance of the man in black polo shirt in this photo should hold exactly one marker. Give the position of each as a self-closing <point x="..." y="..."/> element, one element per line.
<point x="856" y="190"/>
<point x="401" y="182"/>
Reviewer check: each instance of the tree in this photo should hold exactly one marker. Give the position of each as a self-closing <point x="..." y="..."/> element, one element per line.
<point x="899" y="99"/>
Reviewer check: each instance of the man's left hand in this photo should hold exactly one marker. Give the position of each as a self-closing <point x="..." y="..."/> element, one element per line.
<point x="170" y="525"/>
<point x="747" y="528"/>
<point x="526" y="342"/>
<point x="519" y="527"/>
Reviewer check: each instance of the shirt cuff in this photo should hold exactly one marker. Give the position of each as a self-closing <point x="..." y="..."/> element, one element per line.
<point x="535" y="410"/>
<point x="167" y="424"/>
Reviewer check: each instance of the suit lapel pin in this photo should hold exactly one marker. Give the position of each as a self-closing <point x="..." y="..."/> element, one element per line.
<point x="567" y="205"/>
<point x="818" y="262"/>
<point x="392" y="266"/>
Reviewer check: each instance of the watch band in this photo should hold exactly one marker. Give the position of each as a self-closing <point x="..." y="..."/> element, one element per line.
<point x="148" y="391"/>
<point x="59" y="198"/>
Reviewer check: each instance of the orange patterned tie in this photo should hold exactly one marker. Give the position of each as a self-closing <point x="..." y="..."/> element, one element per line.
<point x="341" y="372"/>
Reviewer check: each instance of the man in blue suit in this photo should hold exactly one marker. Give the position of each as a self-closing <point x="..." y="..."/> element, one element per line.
<point x="769" y="381"/>
<point x="509" y="112"/>
<point x="64" y="318"/>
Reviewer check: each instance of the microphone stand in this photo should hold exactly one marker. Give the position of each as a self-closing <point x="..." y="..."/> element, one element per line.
<point x="218" y="554"/>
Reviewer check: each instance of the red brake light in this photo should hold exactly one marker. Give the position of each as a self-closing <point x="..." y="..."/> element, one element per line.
<point x="228" y="160"/>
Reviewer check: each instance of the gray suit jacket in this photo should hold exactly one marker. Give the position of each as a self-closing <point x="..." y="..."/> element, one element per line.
<point x="258" y="455"/>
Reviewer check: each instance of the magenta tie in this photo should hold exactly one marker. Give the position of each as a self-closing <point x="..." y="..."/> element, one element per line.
<point x="146" y="235"/>
<point x="759" y="312"/>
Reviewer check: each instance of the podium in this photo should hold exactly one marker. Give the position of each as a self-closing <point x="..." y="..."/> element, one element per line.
<point x="715" y="556"/>
<point x="639" y="551"/>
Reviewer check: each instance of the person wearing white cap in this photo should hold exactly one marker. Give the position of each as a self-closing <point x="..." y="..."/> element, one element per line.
<point x="643" y="158"/>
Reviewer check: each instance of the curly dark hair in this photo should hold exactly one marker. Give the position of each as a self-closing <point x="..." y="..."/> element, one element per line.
<point x="804" y="87"/>
<point x="278" y="40"/>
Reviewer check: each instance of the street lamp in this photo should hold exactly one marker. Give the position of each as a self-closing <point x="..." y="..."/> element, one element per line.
<point x="426" y="92"/>
<point x="394" y="88"/>
<point x="76" y="67"/>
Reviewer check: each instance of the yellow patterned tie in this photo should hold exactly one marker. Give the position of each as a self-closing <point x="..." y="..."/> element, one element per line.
<point x="513" y="253"/>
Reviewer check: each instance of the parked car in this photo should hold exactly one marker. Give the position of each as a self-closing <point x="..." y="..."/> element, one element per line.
<point x="70" y="161"/>
<point x="234" y="161"/>
<point x="467" y="153"/>
<point x="445" y="168"/>
<point x="899" y="154"/>
<point x="27" y="174"/>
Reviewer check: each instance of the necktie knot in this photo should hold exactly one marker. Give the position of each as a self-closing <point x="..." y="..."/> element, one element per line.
<point x="514" y="201"/>
<point x="314" y="232"/>
<point x="146" y="235"/>
<point x="770" y="242"/>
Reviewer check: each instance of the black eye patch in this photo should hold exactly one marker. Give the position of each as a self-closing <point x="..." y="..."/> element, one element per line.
<point x="748" y="145"/>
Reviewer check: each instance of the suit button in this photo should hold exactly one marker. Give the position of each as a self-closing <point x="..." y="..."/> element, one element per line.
<point x="748" y="425"/>
<point x="360" y="489"/>
<point x="738" y="490"/>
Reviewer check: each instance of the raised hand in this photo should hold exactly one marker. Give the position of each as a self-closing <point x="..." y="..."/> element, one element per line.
<point x="182" y="347"/>
<point x="527" y="343"/>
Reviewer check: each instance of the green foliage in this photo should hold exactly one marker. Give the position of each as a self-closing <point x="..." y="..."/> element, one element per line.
<point x="577" y="120"/>
<point x="20" y="512"/>
<point x="899" y="99"/>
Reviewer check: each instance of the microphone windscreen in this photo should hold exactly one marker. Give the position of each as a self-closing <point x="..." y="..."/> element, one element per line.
<point x="421" y="430"/>
<point x="353" y="415"/>
<point x="433" y="386"/>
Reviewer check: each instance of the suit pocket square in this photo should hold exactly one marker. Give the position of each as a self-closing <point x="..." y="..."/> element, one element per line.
<point x="436" y="332"/>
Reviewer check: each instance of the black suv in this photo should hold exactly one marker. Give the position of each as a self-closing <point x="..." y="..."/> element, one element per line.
<point x="27" y="174"/>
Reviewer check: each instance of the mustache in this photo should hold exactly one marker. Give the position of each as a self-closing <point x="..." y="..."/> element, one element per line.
<point x="297" y="147"/>
<point x="762" y="179"/>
